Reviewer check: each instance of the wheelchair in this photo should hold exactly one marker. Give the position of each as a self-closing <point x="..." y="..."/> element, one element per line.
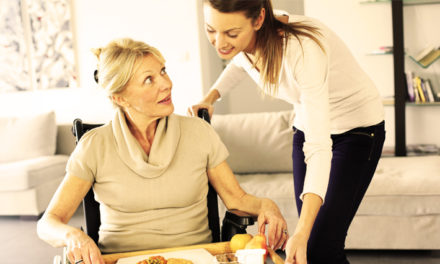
<point x="234" y="221"/>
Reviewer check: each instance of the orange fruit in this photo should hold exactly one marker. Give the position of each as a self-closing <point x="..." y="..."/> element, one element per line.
<point x="239" y="241"/>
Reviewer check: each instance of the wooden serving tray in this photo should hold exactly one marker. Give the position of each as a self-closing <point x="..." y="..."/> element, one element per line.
<point x="213" y="248"/>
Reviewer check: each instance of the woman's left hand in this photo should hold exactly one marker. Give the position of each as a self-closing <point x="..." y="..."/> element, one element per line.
<point x="277" y="231"/>
<point x="296" y="250"/>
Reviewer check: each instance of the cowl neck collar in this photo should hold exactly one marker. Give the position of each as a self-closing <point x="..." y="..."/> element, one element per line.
<point x="162" y="150"/>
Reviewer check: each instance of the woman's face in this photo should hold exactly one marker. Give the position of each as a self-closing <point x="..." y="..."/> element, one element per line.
<point x="230" y="33"/>
<point x="149" y="90"/>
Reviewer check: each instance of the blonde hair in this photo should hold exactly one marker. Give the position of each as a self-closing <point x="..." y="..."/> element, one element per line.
<point x="269" y="43"/>
<point x="117" y="62"/>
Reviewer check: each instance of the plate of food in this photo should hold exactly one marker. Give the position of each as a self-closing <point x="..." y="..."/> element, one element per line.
<point x="190" y="256"/>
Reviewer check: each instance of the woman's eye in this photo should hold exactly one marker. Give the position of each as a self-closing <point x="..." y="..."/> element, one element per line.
<point x="163" y="71"/>
<point x="148" y="80"/>
<point x="210" y="31"/>
<point x="232" y="35"/>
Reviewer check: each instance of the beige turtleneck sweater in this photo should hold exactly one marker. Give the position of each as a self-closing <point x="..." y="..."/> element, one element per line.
<point x="153" y="201"/>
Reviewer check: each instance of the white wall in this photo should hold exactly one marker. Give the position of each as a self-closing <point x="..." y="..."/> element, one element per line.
<point x="365" y="27"/>
<point x="174" y="31"/>
<point x="178" y="32"/>
<point x="89" y="104"/>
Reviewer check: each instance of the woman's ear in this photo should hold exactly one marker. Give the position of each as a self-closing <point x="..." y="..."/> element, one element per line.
<point x="120" y="100"/>
<point x="260" y="19"/>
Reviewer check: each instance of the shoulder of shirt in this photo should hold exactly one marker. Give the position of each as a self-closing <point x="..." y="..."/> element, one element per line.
<point x="98" y="134"/>
<point x="195" y="128"/>
<point x="304" y="43"/>
<point x="240" y="59"/>
<point x="191" y="122"/>
<point x="309" y="21"/>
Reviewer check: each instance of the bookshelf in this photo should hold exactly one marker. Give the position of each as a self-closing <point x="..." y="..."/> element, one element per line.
<point x="400" y="101"/>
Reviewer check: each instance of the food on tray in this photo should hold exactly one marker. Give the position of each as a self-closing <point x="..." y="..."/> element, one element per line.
<point x="226" y="258"/>
<point x="154" y="260"/>
<point x="162" y="260"/>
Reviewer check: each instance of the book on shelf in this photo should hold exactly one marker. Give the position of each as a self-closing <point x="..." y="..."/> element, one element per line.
<point x="422" y="149"/>
<point x="435" y="92"/>
<point x="428" y="55"/>
<point x="410" y="87"/>
<point x="424" y="52"/>
<point x="428" y="90"/>
<point x="425" y="92"/>
<point x="433" y="95"/>
<point x="382" y="50"/>
<point x="413" y="150"/>
<point x="417" y="99"/>
<point x="417" y="83"/>
<point x="420" y="90"/>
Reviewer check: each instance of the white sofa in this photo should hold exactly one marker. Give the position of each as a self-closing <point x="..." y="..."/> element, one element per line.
<point x="31" y="165"/>
<point x="401" y="209"/>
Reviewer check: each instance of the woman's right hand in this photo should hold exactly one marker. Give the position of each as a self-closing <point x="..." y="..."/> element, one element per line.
<point x="207" y="103"/>
<point x="81" y="247"/>
<point x="193" y="110"/>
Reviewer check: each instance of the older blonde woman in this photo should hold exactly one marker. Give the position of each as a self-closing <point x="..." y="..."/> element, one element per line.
<point x="149" y="168"/>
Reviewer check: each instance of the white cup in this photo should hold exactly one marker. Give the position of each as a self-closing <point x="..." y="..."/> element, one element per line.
<point x="250" y="256"/>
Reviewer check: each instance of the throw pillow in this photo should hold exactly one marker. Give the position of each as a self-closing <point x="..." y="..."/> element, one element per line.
<point x="27" y="137"/>
<point x="257" y="142"/>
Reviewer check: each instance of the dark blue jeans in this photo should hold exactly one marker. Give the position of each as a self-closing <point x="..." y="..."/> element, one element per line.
<point x="355" y="157"/>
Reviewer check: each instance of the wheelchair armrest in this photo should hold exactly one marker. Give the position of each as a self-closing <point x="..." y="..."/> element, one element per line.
<point x="236" y="222"/>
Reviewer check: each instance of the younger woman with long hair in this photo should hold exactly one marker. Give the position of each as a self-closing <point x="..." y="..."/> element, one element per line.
<point x="338" y="126"/>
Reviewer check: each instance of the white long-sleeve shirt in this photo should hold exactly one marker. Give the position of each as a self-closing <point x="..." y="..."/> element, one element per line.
<point x="329" y="91"/>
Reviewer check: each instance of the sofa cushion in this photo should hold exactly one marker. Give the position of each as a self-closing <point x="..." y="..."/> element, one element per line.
<point x="277" y="186"/>
<point x="30" y="201"/>
<point x="404" y="186"/>
<point x="25" y="174"/>
<point x="257" y="142"/>
<point x="401" y="186"/>
<point x="27" y="137"/>
<point x="415" y="176"/>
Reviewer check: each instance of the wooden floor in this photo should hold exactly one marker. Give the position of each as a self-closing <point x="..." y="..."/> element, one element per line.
<point x="20" y="244"/>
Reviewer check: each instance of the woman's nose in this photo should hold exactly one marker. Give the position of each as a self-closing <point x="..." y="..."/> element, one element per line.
<point x="219" y="41"/>
<point x="166" y="83"/>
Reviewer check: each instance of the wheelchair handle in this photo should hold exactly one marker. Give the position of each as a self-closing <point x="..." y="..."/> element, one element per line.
<point x="204" y="114"/>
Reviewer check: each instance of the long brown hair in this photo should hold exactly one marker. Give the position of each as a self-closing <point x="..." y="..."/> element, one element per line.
<point x="269" y="41"/>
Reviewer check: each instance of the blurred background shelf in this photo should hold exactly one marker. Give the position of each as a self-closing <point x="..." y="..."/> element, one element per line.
<point x="421" y="64"/>
<point x="390" y="102"/>
<point x="424" y="66"/>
